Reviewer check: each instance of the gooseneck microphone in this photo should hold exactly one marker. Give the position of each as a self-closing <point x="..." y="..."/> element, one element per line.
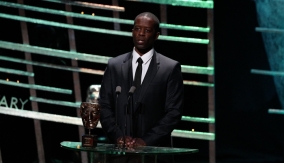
<point x="127" y="112"/>
<point x="117" y="91"/>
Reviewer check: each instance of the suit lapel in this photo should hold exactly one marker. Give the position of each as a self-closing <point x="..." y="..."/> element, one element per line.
<point x="126" y="73"/>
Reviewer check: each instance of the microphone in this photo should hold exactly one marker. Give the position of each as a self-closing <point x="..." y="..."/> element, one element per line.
<point x="117" y="91"/>
<point x="127" y="111"/>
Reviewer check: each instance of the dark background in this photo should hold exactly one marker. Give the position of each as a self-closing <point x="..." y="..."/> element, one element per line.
<point x="245" y="132"/>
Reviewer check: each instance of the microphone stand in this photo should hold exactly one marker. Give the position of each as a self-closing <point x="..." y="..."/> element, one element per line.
<point x="127" y="111"/>
<point x="117" y="91"/>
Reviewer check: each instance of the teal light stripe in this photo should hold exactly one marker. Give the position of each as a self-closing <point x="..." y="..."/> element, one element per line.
<point x="43" y="116"/>
<point x="17" y="72"/>
<point x="186" y="28"/>
<point x="276" y="111"/>
<point x="197" y="69"/>
<point x="54" y="52"/>
<point x="196" y="83"/>
<point x="193" y="134"/>
<point x="198" y="119"/>
<point x="269" y="30"/>
<point x="56" y="102"/>
<point x="186" y="3"/>
<point x="37" y="87"/>
<point x="267" y="72"/>
<point x="99" y="30"/>
<point x="100" y="18"/>
<point x="67" y="68"/>
<point x="90" y="5"/>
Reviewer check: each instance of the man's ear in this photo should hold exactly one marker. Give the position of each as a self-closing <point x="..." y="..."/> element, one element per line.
<point x="157" y="35"/>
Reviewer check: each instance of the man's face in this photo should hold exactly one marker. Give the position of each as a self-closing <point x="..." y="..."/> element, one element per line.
<point x="90" y="113"/>
<point x="144" y="34"/>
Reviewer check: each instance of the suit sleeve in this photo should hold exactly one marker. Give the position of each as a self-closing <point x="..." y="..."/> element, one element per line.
<point x="173" y="109"/>
<point x="107" y="102"/>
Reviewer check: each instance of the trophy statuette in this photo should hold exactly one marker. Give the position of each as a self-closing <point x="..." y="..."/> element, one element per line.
<point x="90" y="113"/>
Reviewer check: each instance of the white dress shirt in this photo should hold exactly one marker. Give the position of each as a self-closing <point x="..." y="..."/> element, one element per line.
<point x="147" y="57"/>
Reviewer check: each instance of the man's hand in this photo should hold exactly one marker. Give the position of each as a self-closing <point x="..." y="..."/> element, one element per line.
<point x="130" y="142"/>
<point x="120" y="141"/>
<point x="137" y="142"/>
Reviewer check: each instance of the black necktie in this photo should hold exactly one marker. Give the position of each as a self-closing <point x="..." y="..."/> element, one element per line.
<point x="138" y="73"/>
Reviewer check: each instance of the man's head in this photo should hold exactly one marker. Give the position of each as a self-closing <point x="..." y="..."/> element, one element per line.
<point x="145" y="32"/>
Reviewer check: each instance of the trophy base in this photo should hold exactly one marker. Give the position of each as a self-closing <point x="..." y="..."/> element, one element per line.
<point x="89" y="140"/>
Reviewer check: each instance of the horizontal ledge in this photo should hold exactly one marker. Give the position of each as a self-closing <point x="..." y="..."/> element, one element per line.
<point x="56" y="102"/>
<point x="90" y="5"/>
<point x="267" y="72"/>
<point x="196" y="83"/>
<point x="198" y="119"/>
<point x="36" y="87"/>
<point x="186" y="3"/>
<point x="17" y="72"/>
<point x="71" y="55"/>
<point x="100" y="30"/>
<point x="43" y="116"/>
<point x="276" y="111"/>
<point x="100" y="18"/>
<point x="193" y="134"/>
<point x="54" y="52"/>
<point x="67" y="68"/>
<point x="197" y="69"/>
<point x="270" y="30"/>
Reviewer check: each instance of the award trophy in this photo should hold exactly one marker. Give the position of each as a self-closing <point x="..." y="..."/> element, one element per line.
<point x="90" y="113"/>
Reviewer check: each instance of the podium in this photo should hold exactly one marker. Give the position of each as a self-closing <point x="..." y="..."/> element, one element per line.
<point x="108" y="149"/>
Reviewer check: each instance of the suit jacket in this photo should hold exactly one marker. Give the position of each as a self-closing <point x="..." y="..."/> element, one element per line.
<point x="157" y="106"/>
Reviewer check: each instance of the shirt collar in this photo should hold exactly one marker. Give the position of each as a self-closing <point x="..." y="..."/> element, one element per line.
<point x="146" y="57"/>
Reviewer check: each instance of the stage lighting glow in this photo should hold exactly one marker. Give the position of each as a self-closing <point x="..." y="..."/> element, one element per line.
<point x="193" y="135"/>
<point x="186" y="3"/>
<point x="90" y="5"/>
<point x="17" y="72"/>
<point x="196" y="83"/>
<point x="100" y="30"/>
<point x="100" y="18"/>
<point x="198" y="69"/>
<point x="67" y="68"/>
<point x="56" y="102"/>
<point x="267" y="72"/>
<point x="198" y="119"/>
<point x="37" y="87"/>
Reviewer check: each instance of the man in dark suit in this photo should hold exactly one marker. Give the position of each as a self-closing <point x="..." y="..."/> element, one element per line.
<point x="155" y="107"/>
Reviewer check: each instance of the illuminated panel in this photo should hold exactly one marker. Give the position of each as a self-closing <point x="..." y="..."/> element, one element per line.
<point x="198" y="119"/>
<point x="67" y="68"/>
<point x="186" y="28"/>
<point x="187" y="3"/>
<point x="272" y="30"/>
<point x="18" y="72"/>
<point x="193" y="135"/>
<point x="56" y="102"/>
<point x="276" y="111"/>
<point x="37" y="87"/>
<point x="197" y="70"/>
<point x="100" y="18"/>
<point x="266" y="72"/>
<point x="90" y="5"/>
<point x="54" y="52"/>
<point x="196" y="83"/>
<point x="99" y="30"/>
<point x="43" y="116"/>
<point x="85" y="57"/>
